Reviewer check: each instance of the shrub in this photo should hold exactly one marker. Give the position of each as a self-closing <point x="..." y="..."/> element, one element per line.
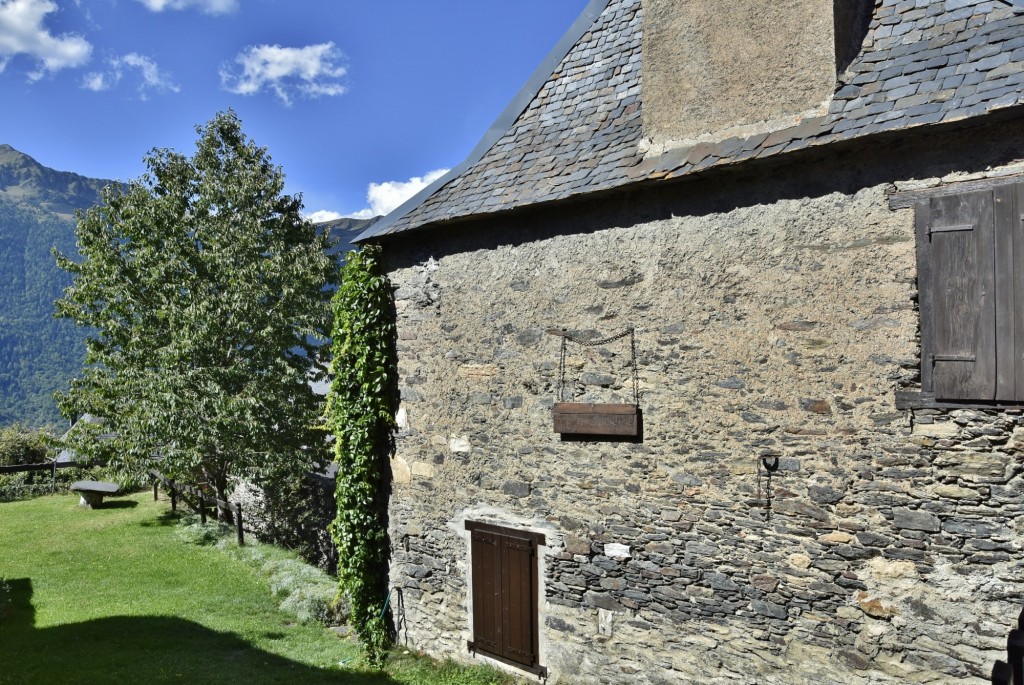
<point x="304" y="591"/>
<point x="192" y="531"/>
<point x="20" y="445"/>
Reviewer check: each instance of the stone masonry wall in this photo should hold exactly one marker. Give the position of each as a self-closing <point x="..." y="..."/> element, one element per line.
<point x="775" y="317"/>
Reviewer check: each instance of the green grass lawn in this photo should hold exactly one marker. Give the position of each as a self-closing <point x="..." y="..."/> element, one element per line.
<point x="113" y="595"/>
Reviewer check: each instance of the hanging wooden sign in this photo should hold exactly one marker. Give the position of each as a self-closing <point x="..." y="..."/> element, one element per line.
<point x="580" y="419"/>
<point x="597" y="419"/>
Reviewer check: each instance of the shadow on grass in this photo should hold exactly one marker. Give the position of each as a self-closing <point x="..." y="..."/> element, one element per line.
<point x="147" y="649"/>
<point x="164" y="519"/>
<point x="119" y="504"/>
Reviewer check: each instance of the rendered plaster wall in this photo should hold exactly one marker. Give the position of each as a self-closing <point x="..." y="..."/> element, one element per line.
<point x="774" y="318"/>
<point x="737" y="67"/>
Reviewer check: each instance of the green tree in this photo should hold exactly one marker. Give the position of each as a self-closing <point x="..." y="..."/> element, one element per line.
<point x="361" y="413"/>
<point x="209" y="298"/>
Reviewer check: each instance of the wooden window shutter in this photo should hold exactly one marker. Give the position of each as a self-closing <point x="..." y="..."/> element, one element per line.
<point x="1009" y="212"/>
<point x="505" y="594"/>
<point x="963" y="296"/>
<point x="1009" y="282"/>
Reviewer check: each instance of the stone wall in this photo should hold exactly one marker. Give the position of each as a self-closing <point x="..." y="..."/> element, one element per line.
<point x="775" y="317"/>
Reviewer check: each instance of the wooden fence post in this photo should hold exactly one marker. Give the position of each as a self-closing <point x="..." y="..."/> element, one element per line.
<point x="238" y="523"/>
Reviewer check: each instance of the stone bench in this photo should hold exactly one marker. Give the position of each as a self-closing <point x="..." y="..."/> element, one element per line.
<point x="92" y="492"/>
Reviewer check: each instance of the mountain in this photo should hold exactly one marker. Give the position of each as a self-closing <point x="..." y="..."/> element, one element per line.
<point x="38" y="354"/>
<point x="26" y="182"/>
<point x="345" y="230"/>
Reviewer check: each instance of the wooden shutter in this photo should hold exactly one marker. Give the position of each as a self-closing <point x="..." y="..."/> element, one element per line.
<point x="963" y="297"/>
<point x="1010" y="289"/>
<point x="519" y="596"/>
<point x="1014" y="214"/>
<point x="487" y="624"/>
<point x="505" y="593"/>
<point x="1009" y="281"/>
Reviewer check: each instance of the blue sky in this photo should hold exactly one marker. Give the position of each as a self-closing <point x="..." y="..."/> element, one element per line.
<point x="356" y="99"/>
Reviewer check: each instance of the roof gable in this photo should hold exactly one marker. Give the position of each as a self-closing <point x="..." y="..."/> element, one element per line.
<point x="922" y="63"/>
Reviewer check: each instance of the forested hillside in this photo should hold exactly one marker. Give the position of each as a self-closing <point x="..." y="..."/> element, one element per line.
<point x="38" y="354"/>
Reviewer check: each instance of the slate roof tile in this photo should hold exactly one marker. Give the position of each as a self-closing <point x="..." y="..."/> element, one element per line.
<point x="922" y="62"/>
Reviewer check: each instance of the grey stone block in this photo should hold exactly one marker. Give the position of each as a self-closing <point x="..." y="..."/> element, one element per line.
<point x="769" y="609"/>
<point x="916" y="520"/>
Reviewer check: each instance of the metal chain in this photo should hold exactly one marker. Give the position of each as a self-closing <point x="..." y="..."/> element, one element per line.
<point x="636" y="374"/>
<point x="561" y="372"/>
<point x="593" y="343"/>
<point x="567" y="338"/>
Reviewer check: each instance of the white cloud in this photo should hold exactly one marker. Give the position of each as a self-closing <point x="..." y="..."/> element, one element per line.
<point x="22" y="33"/>
<point x="322" y="215"/>
<point x="312" y="71"/>
<point x="206" y="6"/>
<point x="150" y="78"/>
<point x="97" y="81"/>
<point x="384" y="197"/>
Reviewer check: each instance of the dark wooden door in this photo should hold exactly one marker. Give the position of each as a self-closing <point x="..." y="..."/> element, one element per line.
<point x="505" y="593"/>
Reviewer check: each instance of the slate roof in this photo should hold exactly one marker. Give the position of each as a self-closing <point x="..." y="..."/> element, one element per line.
<point x="922" y="62"/>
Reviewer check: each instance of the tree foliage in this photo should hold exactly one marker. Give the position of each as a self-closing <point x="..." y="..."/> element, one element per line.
<point x="23" y="445"/>
<point x="361" y="406"/>
<point x="208" y="297"/>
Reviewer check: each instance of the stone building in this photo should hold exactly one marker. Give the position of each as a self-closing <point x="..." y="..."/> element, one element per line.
<point x="809" y="213"/>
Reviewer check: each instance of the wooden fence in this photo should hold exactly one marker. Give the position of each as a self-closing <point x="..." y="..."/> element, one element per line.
<point x="201" y="499"/>
<point x="1011" y="671"/>
<point x="51" y="466"/>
